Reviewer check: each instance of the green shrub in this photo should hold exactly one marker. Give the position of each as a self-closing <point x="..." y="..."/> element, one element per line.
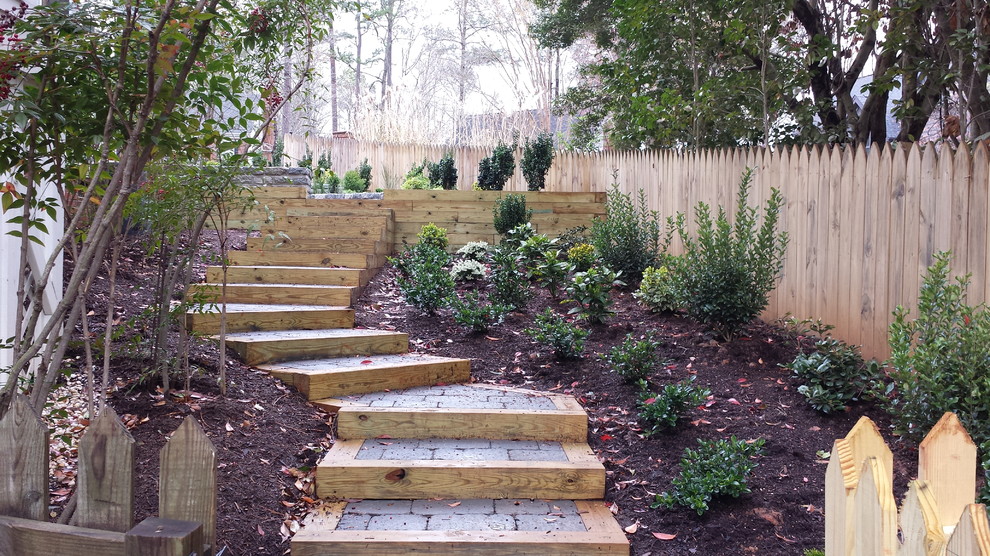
<point x="443" y="174"/>
<point x="659" y="290"/>
<point x="473" y="314"/>
<point x="416" y="182"/>
<point x="325" y="181"/>
<point x="475" y="250"/>
<point x="364" y="169"/>
<point x="324" y="162"/>
<point x="535" y="248"/>
<point x="509" y="212"/>
<point x="729" y="269"/>
<point x="628" y="239"/>
<point x="941" y="360"/>
<point x="518" y="235"/>
<point x="536" y="161"/>
<point x="495" y="170"/>
<point x="354" y="183"/>
<point x="307" y="160"/>
<point x="572" y="237"/>
<point x="434" y="235"/>
<point x="634" y="359"/>
<point x="552" y="330"/>
<point x="424" y="282"/>
<point x="715" y="468"/>
<point x="661" y="411"/>
<point x="550" y="271"/>
<point x="509" y="284"/>
<point x="582" y="256"/>
<point x="278" y="153"/>
<point x="467" y="270"/>
<point x="590" y="290"/>
<point x="834" y="375"/>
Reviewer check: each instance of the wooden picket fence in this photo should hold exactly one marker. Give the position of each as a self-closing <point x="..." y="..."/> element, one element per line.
<point x="103" y="523"/>
<point x="938" y="516"/>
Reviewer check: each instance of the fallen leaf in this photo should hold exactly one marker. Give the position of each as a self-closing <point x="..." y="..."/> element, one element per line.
<point x="614" y="508"/>
<point x="605" y="437"/>
<point x="733" y="401"/>
<point x="492" y="339"/>
<point x="665" y="536"/>
<point x="785" y="539"/>
<point x="632" y="528"/>
<point x="454" y="505"/>
<point x="367" y="362"/>
<point x="228" y="427"/>
<point x="261" y="531"/>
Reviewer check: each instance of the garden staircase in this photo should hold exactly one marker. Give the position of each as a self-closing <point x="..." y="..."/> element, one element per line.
<point x="424" y="462"/>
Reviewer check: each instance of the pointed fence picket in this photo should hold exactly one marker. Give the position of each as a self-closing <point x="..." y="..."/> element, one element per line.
<point x="103" y="522"/>
<point x="938" y="516"/>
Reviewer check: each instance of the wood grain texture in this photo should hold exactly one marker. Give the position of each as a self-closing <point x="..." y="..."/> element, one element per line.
<point x="947" y="462"/>
<point x="507" y="424"/>
<point x="277" y="294"/>
<point x="276" y="257"/>
<point x="289" y="275"/>
<point x="23" y="462"/>
<point x="356" y="246"/>
<point x="875" y="515"/>
<point x="340" y="382"/>
<point x="289" y="319"/>
<point x="24" y="537"/>
<point x="187" y="489"/>
<point x="287" y="349"/>
<point x="165" y="537"/>
<point x="921" y="527"/>
<point x="972" y="535"/>
<point x="106" y="476"/>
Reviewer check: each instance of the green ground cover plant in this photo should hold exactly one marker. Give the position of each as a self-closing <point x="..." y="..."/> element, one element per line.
<point x="716" y="468"/>
<point x="552" y="330"/>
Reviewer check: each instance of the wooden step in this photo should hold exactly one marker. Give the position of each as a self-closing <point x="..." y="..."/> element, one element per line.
<point x="255" y="348"/>
<point x="331" y="227"/>
<point x="460" y="411"/>
<point x="249" y="317"/>
<point x="277" y="294"/>
<point x="295" y="257"/>
<point x="322" y="378"/>
<point x="271" y="274"/>
<point x="438" y="468"/>
<point x="575" y="528"/>
<point x="362" y="246"/>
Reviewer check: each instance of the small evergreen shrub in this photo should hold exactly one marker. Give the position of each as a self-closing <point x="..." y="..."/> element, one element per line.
<point x="472" y="313"/>
<point x="582" y="256"/>
<point x="517" y="236"/>
<point x="364" y="170"/>
<point x="535" y="248"/>
<point x="508" y="282"/>
<point x="495" y="170"/>
<point x="509" y="212"/>
<point x="552" y="330"/>
<point x="659" y="290"/>
<point x="729" y="269"/>
<point x="443" y="174"/>
<point x="423" y="280"/>
<point x="834" y="375"/>
<point x="536" y="161"/>
<point x="324" y="161"/>
<point x="476" y="251"/>
<point x="307" y="160"/>
<point x="416" y="182"/>
<point x="634" y="359"/>
<point x="571" y="237"/>
<point x="354" y="183"/>
<point x="590" y="290"/>
<point x="550" y="271"/>
<point x="941" y="361"/>
<point x="325" y="181"/>
<point x="278" y="154"/>
<point x="662" y="411"/>
<point x="629" y="238"/>
<point x="716" y="468"/>
<point x="434" y="235"/>
<point x="468" y="270"/>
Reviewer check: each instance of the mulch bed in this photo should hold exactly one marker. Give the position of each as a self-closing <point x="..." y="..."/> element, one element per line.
<point x="268" y="437"/>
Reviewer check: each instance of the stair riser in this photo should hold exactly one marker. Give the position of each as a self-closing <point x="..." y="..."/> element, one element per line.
<point x="312" y="276"/>
<point x="403" y="480"/>
<point x="237" y="293"/>
<point x="256" y="353"/>
<point x="209" y="323"/>
<point x="342" y="383"/>
<point x="452" y="423"/>
<point x="276" y="257"/>
<point x="361" y="246"/>
<point x="436" y="543"/>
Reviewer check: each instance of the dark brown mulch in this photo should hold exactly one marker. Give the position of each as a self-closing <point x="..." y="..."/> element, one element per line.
<point x="267" y="436"/>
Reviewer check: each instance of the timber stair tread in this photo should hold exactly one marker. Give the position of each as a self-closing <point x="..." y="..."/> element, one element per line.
<point x="286" y="274"/>
<point x="284" y="294"/>
<point x="255" y="348"/>
<point x="475" y="411"/>
<point x="323" y="258"/>
<point x="424" y="468"/>
<point x="341" y="376"/>
<point x="460" y="526"/>
<point x="255" y="317"/>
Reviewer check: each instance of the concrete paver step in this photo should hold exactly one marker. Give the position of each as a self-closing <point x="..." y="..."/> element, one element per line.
<point x="255" y="348"/>
<point x="320" y="378"/>
<point x="424" y="468"/>
<point x="458" y="526"/>
<point x="460" y="411"/>
<point x="250" y="317"/>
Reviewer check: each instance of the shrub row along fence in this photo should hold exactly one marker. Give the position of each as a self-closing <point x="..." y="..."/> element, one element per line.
<point x="103" y="521"/>
<point x="864" y="224"/>
<point x="938" y="515"/>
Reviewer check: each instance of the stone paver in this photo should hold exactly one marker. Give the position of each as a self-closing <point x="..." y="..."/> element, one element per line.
<point x="398" y="523"/>
<point x="461" y="515"/>
<point x="549" y="523"/>
<point x="471" y="522"/>
<point x="460" y="450"/>
<point x="455" y="507"/>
